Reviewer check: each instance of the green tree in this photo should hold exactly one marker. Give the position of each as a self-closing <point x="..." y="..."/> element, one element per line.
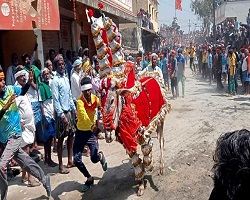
<point x="204" y="10"/>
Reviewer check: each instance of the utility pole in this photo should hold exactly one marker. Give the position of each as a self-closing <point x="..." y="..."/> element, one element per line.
<point x="214" y="27"/>
<point x="189" y="26"/>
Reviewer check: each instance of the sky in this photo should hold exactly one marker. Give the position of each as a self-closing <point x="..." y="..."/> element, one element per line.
<point x="166" y="10"/>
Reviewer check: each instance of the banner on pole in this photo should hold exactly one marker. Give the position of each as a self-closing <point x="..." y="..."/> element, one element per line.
<point x="178" y="4"/>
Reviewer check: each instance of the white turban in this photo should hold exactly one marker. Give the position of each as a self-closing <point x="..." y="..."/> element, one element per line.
<point x="21" y="73"/>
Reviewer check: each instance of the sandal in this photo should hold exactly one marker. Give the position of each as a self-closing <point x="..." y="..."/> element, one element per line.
<point x="64" y="171"/>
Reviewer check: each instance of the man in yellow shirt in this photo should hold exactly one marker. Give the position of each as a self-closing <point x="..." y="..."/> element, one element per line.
<point x="192" y="54"/>
<point x="232" y="67"/>
<point x="85" y="133"/>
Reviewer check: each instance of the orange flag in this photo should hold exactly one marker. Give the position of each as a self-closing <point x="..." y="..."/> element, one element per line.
<point x="178" y="5"/>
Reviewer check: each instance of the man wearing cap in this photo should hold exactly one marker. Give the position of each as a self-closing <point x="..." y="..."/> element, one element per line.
<point x="75" y="80"/>
<point x="65" y="108"/>
<point x="27" y="120"/>
<point x="86" y="133"/>
<point x="35" y="98"/>
<point x="11" y="136"/>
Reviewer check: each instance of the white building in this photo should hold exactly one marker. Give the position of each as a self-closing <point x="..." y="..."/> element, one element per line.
<point x="232" y="9"/>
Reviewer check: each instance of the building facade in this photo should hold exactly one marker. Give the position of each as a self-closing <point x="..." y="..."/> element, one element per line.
<point x="72" y="29"/>
<point x="143" y="35"/>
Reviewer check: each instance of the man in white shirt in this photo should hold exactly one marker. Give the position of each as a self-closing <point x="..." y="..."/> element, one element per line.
<point x="27" y="120"/>
<point x="76" y="79"/>
<point x="153" y="66"/>
<point x="35" y="100"/>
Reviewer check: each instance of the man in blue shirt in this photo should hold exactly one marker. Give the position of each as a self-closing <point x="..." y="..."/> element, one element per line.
<point x="65" y="110"/>
<point x="11" y="136"/>
<point x="210" y="66"/>
<point x="165" y="69"/>
<point x="180" y="72"/>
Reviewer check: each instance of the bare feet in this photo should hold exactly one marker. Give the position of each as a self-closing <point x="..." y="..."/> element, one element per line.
<point x="70" y="165"/>
<point x="63" y="170"/>
<point x="33" y="183"/>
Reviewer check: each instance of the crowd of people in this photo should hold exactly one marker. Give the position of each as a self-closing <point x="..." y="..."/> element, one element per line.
<point x="224" y="65"/>
<point x="170" y="64"/>
<point x="46" y="106"/>
<point x="233" y="32"/>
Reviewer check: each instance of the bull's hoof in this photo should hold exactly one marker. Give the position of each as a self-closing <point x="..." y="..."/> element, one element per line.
<point x="140" y="191"/>
<point x="108" y="140"/>
<point x="109" y="137"/>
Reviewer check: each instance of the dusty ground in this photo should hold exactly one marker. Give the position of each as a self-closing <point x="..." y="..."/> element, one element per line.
<point x="191" y="131"/>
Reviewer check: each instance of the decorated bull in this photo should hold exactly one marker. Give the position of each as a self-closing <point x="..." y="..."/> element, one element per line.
<point x="132" y="107"/>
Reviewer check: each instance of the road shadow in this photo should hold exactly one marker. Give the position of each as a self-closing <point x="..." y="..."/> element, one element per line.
<point x="219" y="95"/>
<point x="211" y="89"/>
<point x="41" y="197"/>
<point x="241" y="99"/>
<point x="68" y="186"/>
<point x="245" y="104"/>
<point x="234" y="109"/>
<point x="117" y="183"/>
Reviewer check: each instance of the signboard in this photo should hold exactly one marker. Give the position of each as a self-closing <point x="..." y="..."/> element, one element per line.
<point x="25" y="14"/>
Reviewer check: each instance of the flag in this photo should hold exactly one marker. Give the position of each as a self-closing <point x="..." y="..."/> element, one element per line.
<point x="178" y="5"/>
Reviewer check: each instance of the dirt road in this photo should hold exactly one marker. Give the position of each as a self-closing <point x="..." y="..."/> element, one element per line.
<point x="191" y="131"/>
